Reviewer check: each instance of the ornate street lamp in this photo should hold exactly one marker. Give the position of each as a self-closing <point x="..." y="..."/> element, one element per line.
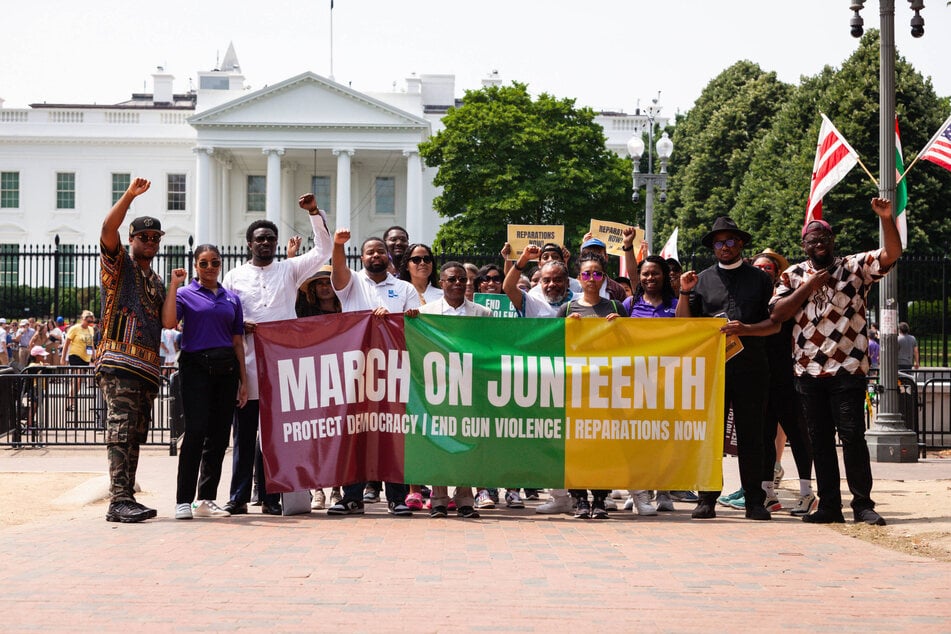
<point x="635" y="148"/>
<point x="891" y="438"/>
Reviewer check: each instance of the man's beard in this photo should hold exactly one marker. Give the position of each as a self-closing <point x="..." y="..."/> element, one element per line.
<point x="376" y="267"/>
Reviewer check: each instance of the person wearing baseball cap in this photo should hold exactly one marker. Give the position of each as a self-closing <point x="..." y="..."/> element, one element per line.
<point x="825" y="298"/>
<point x="738" y="291"/>
<point x="128" y="365"/>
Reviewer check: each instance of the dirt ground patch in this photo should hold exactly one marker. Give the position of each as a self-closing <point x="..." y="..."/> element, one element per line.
<point x="25" y="495"/>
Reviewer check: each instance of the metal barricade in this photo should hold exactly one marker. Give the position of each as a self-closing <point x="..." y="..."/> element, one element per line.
<point x="62" y="405"/>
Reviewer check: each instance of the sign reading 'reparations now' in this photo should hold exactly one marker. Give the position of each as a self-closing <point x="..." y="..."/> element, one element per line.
<point x="612" y="234"/>
<point x="520" y="236"/>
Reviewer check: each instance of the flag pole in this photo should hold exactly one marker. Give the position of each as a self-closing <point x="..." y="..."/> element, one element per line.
<point x="332" y="40"/>
<point x="866" y="170"/>
<point x="927" y="146"/>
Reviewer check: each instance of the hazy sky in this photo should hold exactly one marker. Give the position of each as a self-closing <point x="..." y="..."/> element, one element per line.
<point x="605" y="54"/>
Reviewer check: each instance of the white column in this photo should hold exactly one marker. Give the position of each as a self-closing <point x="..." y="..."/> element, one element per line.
<point x="287" y="183"/>
<point x="414" y="197"/>
<point x="273" y="207"/>
<point x="203" y="213"/>
<point x="224" y="196"/>
<point x="343" y="187"/>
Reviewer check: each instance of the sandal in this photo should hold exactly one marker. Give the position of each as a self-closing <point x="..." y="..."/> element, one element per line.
<point x="415" y="501"/>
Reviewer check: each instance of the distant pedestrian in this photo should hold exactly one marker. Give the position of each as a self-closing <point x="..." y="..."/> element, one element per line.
<point x="907" y="348"/>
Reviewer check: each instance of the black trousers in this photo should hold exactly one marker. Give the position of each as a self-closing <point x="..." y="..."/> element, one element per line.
<point x="209" y="403"/>
<point x="834" y="405"/>
<point x="747" y="383"/>
<point x="247" y="458"/>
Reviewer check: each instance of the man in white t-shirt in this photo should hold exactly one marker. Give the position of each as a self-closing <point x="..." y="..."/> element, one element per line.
<point x="374" y="288"/>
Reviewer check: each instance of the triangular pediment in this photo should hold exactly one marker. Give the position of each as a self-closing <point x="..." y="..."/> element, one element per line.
<point x="308" y="101"/>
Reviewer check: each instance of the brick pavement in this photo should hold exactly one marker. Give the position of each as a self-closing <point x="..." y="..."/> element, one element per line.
<point x="510" y="571"/>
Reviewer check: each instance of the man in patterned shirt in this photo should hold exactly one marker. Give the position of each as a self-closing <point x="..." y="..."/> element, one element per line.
<point x="825" y="295"/>
<point x="127" y="361"/>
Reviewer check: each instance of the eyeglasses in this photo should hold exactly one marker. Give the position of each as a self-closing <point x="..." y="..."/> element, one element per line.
<point x="204" y="264"/>
<point x="826" y="240"/>
<point x="149" y="237"/>
<point x="597" y="276"/>
<point x="455" y="279"/>
<point x="719" y="244"/>
<point x="419" y="259"/>
<point x="263" y="239"/>
<point x="492" y="278"/>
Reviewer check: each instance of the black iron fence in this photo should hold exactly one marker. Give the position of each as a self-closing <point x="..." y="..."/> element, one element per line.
<point x="55" y="405"/>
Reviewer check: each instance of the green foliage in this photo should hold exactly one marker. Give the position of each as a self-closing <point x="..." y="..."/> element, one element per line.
<point x="505" y="158"/>
<point x="772" y="199"/>
<point x="713" y="148"/>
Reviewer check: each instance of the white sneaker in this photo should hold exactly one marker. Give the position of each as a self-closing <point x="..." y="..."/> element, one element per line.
<point x="610" y="505"/>
<point x="629" y="503"/>
<point x="778" y="473"/>
<point x="319" y="500"/>
<point x="183" y="511"/>
<point x="642" y="503"/>
<point x="335" y="496"/>
<point x="208" y="508"/>
<point x="617" y="494"/>
<point x="664" y="501"/>
<point x="806" y="504"/>
<point x="513" y="500"/>
<point x="556" y="504"/>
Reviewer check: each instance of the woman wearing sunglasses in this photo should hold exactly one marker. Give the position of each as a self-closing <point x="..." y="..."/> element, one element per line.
<point x="591" y="304"/>
<point x="418" y="267"/>
<point x="213" y="378"/>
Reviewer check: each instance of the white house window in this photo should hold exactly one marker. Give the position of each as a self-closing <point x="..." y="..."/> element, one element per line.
<point x="120" y="183"/>
<point x="9" y="265"/>
<point x="385" y="195"/>
<point x="9" y="190"/>
<point x="176" y="192"/>
<point x="320" y="186"/>
<point x="257" y="193"/>
<point x="65" y="190"/>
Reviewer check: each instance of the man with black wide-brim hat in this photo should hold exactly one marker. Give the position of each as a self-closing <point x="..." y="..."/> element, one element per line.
<point x="740" y="292"/>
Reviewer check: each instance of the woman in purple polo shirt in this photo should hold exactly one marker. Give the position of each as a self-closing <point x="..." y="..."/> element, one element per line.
<point x="211" y="367"/>
<point x="653" y="296"/>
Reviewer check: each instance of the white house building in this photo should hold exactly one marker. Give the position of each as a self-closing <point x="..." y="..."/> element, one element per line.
<point x="221" y="156"/>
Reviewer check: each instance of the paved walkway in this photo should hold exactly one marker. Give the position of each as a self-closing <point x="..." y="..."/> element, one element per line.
<point x="509" y="571"/>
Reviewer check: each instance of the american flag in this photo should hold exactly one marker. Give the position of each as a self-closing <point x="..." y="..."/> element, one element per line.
<point x="938" y="149"/>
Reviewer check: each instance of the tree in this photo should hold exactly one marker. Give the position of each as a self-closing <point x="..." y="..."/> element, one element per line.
<point x="712" y="148"/>
<point x="772" y="199"/>
<point x="505" y="158"/>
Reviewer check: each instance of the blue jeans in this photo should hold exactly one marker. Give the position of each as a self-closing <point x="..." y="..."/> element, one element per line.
<point x="833" y="405"/>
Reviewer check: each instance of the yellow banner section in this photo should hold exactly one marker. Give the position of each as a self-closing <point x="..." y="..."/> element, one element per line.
<point x="611" y="234"/>
<point x="644" y="403"/>
<point x="520" y="236"/>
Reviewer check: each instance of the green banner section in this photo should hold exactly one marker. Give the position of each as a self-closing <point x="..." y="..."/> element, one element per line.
<point x="483" y="389"/>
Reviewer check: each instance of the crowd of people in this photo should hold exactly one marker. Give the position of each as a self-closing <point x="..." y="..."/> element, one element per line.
<point x="798" y="373"/>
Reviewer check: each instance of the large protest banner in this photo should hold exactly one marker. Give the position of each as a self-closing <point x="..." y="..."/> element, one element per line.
<point x="586" y="403"/>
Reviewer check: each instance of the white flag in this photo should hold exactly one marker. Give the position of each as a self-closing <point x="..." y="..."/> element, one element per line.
<point x="670" y="248"/>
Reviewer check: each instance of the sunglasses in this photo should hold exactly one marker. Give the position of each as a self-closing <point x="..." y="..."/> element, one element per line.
<point x="420" y="259"/>
<point x="263" y="239"/>
<point x="204" y="264"/>
<point x="719" y="244"/>
<point x="455" y="279"/>
<point x="826" y="240"/>
<point x="492" y="278"/>
<point x="597" y="276"/>
<point x="766" y="267"/>
<point x="149" y="237"/>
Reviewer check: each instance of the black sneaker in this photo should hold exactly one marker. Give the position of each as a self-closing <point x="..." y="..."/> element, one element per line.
<point x="125" y="512"/>
<point x="704" y="511"/>
<point x="346" y="507"/>
<point x="757" y="512"/>
<point x="439" y="511"/>
<point x="824" y="516"/>
<point x="235" y="508"/>
<point x="531" y="494"/>
<point x="868" y="516"/>
<point x="149" y="513"/>
<point x="467" y="512"/>
<point x="598" y="512"/>
<point x="399" y="509"/>
<point x="582" y="510"/>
